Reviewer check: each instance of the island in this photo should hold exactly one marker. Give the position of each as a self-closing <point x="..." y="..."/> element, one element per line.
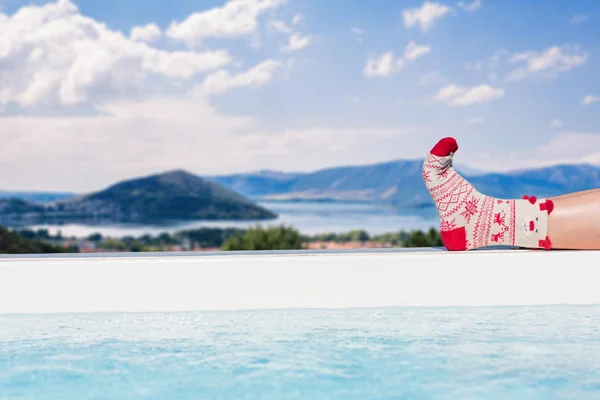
<point x="161" y="198"/>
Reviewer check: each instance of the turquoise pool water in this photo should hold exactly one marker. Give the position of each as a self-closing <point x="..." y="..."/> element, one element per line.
<point x="496" y="353"/>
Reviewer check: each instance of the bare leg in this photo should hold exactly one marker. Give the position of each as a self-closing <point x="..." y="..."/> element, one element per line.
<point x="575" y="221"/>
<point x="586" y="192"/>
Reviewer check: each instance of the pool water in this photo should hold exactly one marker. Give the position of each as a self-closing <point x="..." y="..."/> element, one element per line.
<point x="495" y="353"/>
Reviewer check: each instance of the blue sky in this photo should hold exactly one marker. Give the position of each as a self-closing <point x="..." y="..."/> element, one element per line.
<point x="210" y="86"/>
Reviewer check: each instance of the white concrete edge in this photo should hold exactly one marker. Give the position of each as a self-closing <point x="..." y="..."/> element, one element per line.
<point x="297" y="280"/>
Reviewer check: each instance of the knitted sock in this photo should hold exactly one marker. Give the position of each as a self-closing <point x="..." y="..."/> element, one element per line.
<point x="471" y="220"/>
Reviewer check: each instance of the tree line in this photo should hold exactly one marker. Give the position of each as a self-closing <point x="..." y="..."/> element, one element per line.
<point x="15" y="243"/>
<point x="227" y="239"/>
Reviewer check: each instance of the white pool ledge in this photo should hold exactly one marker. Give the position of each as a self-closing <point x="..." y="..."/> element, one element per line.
<point x="356" y="279"/>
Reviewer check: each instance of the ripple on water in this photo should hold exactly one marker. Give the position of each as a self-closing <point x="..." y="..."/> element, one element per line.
<point x="495" y="353"/>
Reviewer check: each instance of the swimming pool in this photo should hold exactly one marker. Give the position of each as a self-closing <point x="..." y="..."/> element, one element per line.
<point x="383" y="353"/>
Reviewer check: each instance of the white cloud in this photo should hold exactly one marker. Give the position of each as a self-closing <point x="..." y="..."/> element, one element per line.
<point x="52" y="55"/>
<point x="459" y="96"/>
<point x="382" y="66"/>
<point x="387" y="64"/>
<point x="280" y="26"/>
<point x="449" y="92"/>
<point x="579" y="19"/>
<point x="563" y="148"/>
<point x="296" y="42"/>
<point x="181" y="64"/>
<point x="235" y="18"/>
<point x="164" y="133"/>
<point x="64" y="57"/>
<point x="549" y="62"/>
<point x="146" y="33"/>
<point x="412" y="51"/>
<point x="130" y="138"/>
<point x="470" y="7"/>
<point x="590" y="99"/>
<point x="222" y="81"/>
<point x="570" y="147"/>
<point x="475" y="120"/>
<point x="424" y="16"/>
<point x="556" y="123"/>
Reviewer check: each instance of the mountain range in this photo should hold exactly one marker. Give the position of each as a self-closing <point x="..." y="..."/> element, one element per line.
<point x="180" y="195"/>
<point x="400" y="182"/>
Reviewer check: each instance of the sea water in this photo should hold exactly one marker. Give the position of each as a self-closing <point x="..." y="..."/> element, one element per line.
<point x="309" y="218"/>
<point x="478" y="353"/>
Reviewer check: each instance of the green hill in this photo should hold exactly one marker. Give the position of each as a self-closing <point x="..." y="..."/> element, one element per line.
<point x="171" y="196"/>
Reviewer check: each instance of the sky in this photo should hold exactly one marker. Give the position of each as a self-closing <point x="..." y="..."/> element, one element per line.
<point x="94" y="92"/>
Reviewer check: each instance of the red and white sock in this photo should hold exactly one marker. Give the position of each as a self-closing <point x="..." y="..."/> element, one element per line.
<point x="471" y="220"/>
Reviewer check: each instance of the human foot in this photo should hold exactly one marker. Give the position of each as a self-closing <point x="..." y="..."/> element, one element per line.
<point x="471" y="220"/>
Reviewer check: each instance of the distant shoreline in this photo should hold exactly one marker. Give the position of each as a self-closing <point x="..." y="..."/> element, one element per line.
<point x="217" y="239"/>
<point x="114" y="222"/>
